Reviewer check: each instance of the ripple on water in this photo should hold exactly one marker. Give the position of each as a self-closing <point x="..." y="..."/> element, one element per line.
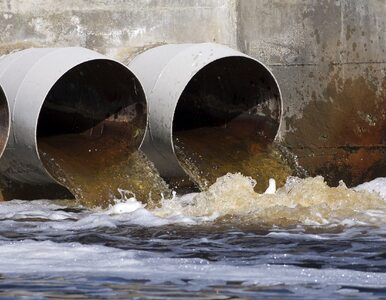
<point x="194" y="245"/>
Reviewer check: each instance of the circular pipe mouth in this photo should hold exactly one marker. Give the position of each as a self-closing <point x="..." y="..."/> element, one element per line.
<point x="227" y="115"/>
<point x="94" y="116"/>
<point x="4" y="121"/>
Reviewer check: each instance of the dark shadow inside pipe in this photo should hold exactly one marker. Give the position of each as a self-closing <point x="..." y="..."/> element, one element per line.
<point x="92" y="118"/>
<point x="236" y="93"/>
<point x="92" y="94"/>
<point x="228" y="112"/>
<point x="4" y="121"/>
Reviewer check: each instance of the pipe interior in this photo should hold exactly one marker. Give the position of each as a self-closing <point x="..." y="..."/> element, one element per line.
<point x="228" y="111"/>
<point x="4" y="121"/>
<point x="93" y="117"/>
<point x="227" y="92"/>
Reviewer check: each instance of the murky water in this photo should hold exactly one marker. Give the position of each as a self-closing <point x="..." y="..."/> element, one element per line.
<point x="94" y="172"/>
<point x="209" y="153"/>
<point x="228" y="242"/>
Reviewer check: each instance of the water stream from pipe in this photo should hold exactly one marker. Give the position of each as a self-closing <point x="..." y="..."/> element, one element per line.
<point x="209" y="153"/>
<point x="94" y="172"/>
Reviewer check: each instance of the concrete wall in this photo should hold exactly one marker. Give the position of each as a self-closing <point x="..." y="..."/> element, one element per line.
<point x="328" y="55"/>
<point x="329" y="58"/>
<point x="118" y="28"/>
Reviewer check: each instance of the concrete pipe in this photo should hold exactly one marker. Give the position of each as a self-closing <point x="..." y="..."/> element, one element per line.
<point x="62" y="99"/>
<point x="4" y="121"/>
<point x="194" y="86"/>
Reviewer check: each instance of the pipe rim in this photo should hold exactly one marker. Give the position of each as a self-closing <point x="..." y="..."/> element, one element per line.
<point x="174" y="67"/>
<point x="5" y="121"/>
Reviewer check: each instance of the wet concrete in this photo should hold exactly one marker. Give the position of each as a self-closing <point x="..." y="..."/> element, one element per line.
<point x="344" y="136"/>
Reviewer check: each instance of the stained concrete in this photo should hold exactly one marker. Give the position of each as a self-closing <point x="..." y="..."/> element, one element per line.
<point x="328" y="56"/>
<point x="116" y="28"/>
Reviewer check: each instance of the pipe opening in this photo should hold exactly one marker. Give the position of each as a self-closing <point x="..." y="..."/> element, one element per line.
<point x="225" y="121"/>
<point x="4" y="121"/>
<point x="92" y="120"/>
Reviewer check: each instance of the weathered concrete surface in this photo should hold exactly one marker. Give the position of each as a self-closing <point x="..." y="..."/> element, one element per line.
<point x="328" y="56"/>
<point x="116" y="28"/>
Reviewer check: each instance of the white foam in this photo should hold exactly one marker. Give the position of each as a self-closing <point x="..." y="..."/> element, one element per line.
<point x="184" y="209"/>
<point x="45" y="216"/>
<point x="125" y="206"/>
<point x="309" y="202"/>
<point x="377" y="186"/>
<point x="30" y="257"/>
<point x="18" y="209"/>
<point x="271" y="187"/>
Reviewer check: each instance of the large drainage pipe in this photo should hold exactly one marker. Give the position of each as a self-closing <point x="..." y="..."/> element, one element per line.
<point x="207" y="86"/>
<point x="68" y="101"/>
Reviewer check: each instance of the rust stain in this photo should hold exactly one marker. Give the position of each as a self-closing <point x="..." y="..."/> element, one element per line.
<point x="343" y="136"/>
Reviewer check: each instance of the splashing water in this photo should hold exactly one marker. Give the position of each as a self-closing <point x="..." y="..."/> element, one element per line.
<point x="307" y="201"/>
<point x="195" y="246"/>
<point x="94" y="172"/>
<point x="208" y="153"/>
<point x="112" y="168"/>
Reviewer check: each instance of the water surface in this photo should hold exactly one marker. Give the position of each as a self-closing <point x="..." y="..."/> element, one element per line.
<point x="237" y="250"/>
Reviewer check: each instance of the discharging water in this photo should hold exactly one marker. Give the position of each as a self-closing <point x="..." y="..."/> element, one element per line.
<point x="95" y="172"/>
<point x="208" y="153"/>
<point x="305" y="241"/>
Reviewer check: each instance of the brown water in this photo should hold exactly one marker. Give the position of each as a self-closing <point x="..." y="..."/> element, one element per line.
<point x="95" y="169"/>
<point x="209" y="153"/>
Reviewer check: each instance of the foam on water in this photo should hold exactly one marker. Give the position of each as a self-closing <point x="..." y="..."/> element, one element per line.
<point x="47" y="217"/>
<point x="377" y="186"/>
<point x="195" y="242"/>
<point x="307" y="201"/>
<point x="68" y="258"/>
